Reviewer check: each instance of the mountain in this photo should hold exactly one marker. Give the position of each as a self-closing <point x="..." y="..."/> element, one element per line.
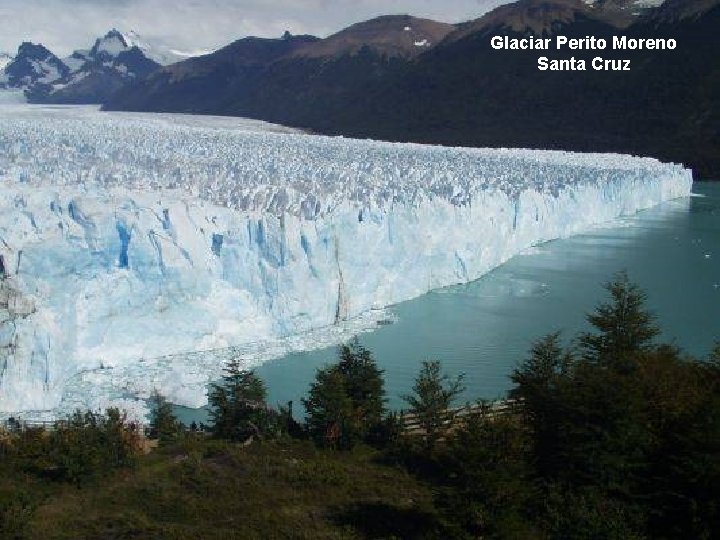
<point x="372" y="80"/>
<point x="543" y="18"/>
<point x="389" y="36"/>
<point x="201" y="84"/>
<point x="466" y="93"/>
<point x="86" y="76"/>
<point x="7" y="93"/>
<point x="158" y="51"/>
<point x="254" y="75"/>
<point x="33" y="64"/>
<point x="94" y="75"/>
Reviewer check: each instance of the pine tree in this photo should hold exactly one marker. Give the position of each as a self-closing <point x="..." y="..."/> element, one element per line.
<point x="364" y="384"/>
<point x="164" y="426"/>
<point x="593" y="427"/>
<point x="624" y="327"/>
<point x="347" y="400"/>
<point x="237" y="406"/>
<point x="431" y="402"/>
<point x="487" y="467"/>
<point x="539" y="384"/>
<point x="330" y="410"/>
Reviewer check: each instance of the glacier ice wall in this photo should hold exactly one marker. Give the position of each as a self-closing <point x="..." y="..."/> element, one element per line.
<point x="127" y="237"/>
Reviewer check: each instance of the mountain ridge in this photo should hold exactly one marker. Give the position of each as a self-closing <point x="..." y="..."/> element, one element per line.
<point x="390" y="35"/>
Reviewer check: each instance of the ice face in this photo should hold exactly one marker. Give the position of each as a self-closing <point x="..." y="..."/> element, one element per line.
<point x="126" y="239"/>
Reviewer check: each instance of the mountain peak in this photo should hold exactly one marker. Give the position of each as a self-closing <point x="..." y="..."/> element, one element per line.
<point x="33" y="64"/>
<point x="114" y="33"/>
<point x="35" y="51"/>
<point x="110" y="45"/>
<point x="153" y="48"/>
<point x="390" y="35"/>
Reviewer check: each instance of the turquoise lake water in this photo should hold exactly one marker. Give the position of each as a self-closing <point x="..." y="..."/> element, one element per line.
<point x="484" y="328"/>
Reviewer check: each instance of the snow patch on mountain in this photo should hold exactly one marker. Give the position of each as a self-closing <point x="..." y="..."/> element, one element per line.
<point x="5" y="59"/>
<point x="111" y="45"/>
<point x="629" y="5"/>
<point x="77" y="60"/>
<point x="159" y="51"/>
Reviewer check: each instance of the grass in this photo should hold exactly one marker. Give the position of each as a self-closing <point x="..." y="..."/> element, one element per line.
<point x="210" y="489"/>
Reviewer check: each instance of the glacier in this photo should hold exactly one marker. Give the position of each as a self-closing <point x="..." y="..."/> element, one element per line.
<point x="132" y="245"/>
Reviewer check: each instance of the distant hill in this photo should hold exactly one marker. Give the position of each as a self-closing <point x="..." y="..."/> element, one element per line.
<point x="408" y="79"/>
<point x="390" y="36"/>
<point x="208" y="84"/>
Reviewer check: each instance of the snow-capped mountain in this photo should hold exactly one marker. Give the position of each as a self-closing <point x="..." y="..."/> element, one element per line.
<point x="110" y="46"/>
<point x="116" y="42"/>
<point x="158" y="51"/>
<point x="92" y="75"/>
<point x="114" y="52"/>
<point x="33" y="64"/>
<point x="86" y="76"/>
<point x="114" y="45"/>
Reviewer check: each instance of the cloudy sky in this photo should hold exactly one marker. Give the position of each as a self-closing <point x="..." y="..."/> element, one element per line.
<point x="65" y="25"/>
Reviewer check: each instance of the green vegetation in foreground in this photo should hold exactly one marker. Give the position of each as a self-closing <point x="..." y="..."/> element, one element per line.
<point x="209" y="489"/>
<point x="614" y="437"/>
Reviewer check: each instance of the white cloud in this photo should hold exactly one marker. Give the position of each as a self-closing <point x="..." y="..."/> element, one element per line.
<point x="65" y="25"/>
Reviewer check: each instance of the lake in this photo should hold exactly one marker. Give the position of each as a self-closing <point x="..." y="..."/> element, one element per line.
<point x="484" y="328"/>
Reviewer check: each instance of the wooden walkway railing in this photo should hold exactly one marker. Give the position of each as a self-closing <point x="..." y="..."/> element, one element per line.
<point x="412" y="426"/>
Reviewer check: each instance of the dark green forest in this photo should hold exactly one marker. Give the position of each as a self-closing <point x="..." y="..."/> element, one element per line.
<point x="609" y="434"/>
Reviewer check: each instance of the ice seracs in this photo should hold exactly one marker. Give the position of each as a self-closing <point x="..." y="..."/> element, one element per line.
<point x="129" y="239"/>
